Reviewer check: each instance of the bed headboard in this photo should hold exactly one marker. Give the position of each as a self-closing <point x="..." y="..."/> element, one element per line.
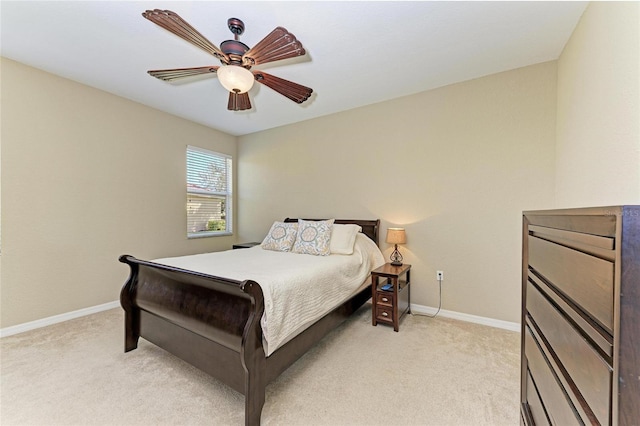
<point x="369" y="227"/>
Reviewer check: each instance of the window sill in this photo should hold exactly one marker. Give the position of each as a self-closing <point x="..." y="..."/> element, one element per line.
<point x="208" y="234"/>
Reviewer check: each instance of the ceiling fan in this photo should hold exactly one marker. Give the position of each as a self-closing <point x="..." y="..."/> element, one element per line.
<point x="237" y="59"/>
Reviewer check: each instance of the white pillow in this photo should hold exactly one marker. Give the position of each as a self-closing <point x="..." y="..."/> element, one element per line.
<point x="343" y="237"/>
<point x="314" y="237"/>
<point x="281" y="236"/>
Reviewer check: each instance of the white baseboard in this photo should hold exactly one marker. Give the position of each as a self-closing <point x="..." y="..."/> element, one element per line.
<point x="27" y="326"/>
<point x="428" y="310"/>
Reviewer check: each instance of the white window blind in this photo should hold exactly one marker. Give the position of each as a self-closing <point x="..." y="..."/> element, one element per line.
<point x="209" y="193"/>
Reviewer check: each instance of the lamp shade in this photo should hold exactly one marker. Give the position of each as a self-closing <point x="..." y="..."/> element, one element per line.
<point x="235" y="78"/>
<point x="396" y="236"/>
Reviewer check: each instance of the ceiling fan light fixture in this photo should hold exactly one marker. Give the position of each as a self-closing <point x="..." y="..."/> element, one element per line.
<point x="235" y="78"/>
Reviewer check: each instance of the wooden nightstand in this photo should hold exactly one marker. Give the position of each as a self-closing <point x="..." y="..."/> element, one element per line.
<point x="389" y="306"/>
<point x="245" y="245"/>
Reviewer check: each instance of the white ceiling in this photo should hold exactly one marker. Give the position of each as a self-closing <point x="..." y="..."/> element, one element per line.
<point x="358" y="53"/>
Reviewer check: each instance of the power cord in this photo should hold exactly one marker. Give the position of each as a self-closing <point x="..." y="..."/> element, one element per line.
<point x="439" y="303"/>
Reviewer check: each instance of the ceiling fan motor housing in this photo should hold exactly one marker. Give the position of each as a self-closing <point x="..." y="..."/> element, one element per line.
<point x="234" y="49"/>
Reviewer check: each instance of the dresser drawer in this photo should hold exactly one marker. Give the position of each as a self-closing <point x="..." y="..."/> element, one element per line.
<point x="560" y="410"/>
<point x="585" y="279"/>
<point x="384" y="299"/>
<point x="598" y="337"/>
<point x="587" y="370"/>
<point x="535" y="404"/>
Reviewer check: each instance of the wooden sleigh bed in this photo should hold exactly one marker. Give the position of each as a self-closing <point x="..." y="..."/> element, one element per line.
<point x="213" y="323"/>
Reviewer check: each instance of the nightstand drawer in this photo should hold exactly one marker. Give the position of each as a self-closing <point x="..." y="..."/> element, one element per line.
<point x="384" y="314"/>
<point x="384" y="299"/>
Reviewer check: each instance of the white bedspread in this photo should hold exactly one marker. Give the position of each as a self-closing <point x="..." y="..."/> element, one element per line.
<point x="298" y="288"/>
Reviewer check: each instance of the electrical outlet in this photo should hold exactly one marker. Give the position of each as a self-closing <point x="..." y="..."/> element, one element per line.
<point x="440" y="275"/>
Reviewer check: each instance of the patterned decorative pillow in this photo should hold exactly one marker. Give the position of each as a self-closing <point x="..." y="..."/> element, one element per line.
<point x="314" y="237"/>
<point x="280" y="237"/>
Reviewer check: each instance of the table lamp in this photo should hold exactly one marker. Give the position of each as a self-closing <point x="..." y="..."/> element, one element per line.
<point x="396" y="236"/>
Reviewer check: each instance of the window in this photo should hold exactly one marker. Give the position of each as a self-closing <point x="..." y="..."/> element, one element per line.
<point x="209" y="190"/>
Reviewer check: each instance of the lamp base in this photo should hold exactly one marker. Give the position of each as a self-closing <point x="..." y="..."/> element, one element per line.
<point x="396" y="257"/>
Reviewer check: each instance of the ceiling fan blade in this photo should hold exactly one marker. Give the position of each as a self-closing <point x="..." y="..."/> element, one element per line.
<point x="176" y="73"/>
<point x="171" y="21"/>
<point x="279" y="44"/>
<point x="238" y="101"/>
<point x="294" y="91"/>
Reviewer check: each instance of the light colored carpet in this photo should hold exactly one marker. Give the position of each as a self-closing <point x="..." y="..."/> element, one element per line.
<point x="433" y="372"/>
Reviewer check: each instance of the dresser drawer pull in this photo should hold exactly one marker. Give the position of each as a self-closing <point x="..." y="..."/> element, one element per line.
<point x="384" y="314"/>
<point x="384" y="299"/>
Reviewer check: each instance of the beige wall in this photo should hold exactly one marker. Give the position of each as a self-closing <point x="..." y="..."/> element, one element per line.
<point x="86" y="177"/>
<point x="455" y="166"/>
<point x="598" y="135"/>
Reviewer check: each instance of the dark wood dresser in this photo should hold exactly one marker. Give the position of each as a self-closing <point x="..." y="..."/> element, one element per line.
<point x="581" y="317"/>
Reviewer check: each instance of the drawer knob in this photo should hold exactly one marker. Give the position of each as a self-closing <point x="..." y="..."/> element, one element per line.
<point x="384" y="299"/>
<point x="384" y="314"/>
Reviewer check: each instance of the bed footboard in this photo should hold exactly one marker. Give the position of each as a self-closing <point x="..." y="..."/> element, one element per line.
<point x="212" y="323"/>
